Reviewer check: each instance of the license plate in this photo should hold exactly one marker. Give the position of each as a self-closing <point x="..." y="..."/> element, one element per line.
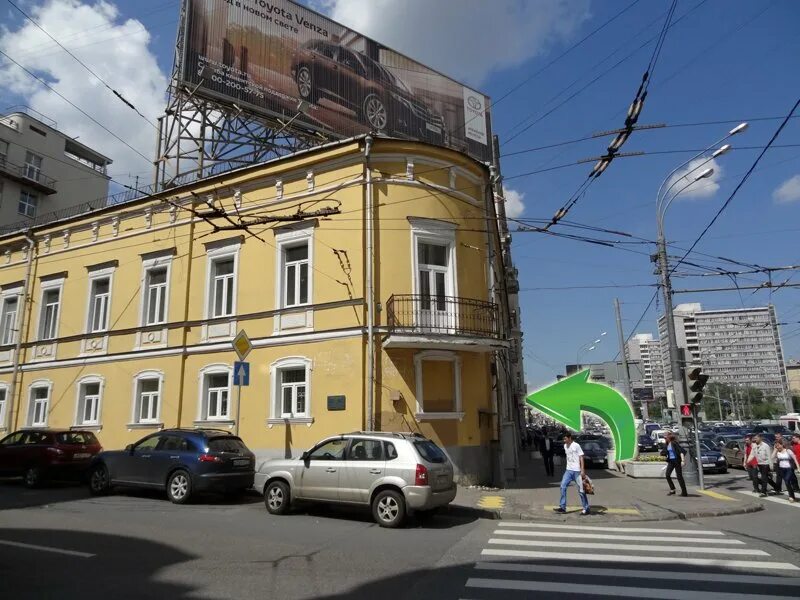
<point x="433" y="128"/>
<point x="240" y="462"/>
<point x="81" y="455"/>
<point x="708" y="464"/>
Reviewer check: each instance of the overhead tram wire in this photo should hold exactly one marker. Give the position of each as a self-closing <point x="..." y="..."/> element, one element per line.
<point x="117" y="94"/>
<point x="75" y="106"/>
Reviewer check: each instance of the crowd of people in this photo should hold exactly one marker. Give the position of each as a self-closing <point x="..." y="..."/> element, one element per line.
<point x="783" y="459"/>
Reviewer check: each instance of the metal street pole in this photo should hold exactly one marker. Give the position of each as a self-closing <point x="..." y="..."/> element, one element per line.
<point x="623" y="352"/>
<point x="238" y="399"/>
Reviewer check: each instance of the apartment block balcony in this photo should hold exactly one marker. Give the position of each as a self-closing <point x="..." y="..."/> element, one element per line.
<point x="28" y="175"/>
<point x="442" y="322"/>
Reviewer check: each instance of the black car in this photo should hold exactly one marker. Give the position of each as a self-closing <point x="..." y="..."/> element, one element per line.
<point x="594" y="454"/>
<point x="180" y="461"/>
<point x="712" y="459"/>
<point x="583" y="438"/>
<point x="647" y="444"/>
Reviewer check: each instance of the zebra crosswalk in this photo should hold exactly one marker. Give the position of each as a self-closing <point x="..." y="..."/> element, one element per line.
<point x="783" y="499"/>
<point x="523" y="558"/>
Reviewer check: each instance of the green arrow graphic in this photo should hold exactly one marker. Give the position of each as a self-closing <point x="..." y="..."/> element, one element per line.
<point x="565" y="399"/>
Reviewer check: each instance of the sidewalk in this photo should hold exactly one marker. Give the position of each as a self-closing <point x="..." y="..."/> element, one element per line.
<point x="617" y="498"/>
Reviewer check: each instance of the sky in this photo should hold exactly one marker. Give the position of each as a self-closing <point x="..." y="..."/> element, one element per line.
<point x="558" y="71"/>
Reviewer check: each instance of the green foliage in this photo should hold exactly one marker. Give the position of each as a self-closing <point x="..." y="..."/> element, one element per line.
<point x="651" y="458"/>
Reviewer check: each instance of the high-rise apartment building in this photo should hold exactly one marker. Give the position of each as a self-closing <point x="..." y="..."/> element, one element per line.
<point x="645" y="350"/>
<point x="42" y="170"/>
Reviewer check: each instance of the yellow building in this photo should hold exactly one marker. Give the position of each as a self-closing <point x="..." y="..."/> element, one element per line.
<point x="122" y="319"/>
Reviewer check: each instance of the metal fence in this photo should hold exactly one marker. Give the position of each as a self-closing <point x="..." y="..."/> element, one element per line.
<point x="420" y="313"/>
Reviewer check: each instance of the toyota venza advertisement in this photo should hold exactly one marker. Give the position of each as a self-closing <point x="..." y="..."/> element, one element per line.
<point x="267" y="57"/>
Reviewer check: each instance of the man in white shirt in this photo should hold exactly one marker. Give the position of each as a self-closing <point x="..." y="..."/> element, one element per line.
<point x="575" y="472"/>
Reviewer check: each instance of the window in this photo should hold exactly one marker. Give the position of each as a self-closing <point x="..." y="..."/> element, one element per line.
<point x="434" y="273"/>
<point x="33" y="166"/>
<point x="3" y="152"/>
<point x="215" y="393"/>
<point x="438" y="385"/>
<point x="88" y="407"/>
<point x="28" y="202"/>
<point x="293" y="392"/>
<point x="155" y="298"/>
<point x="149" y="444"/>
<point x="8" y="320"/>
<point x="331" y="450"/>
<point x="296" y="265"/>
<point x="38" y="404"/>
<point x="147" y="398"/>
<point x="222" y="287"/>
<point x="365" y="450"/>
<point x="3" y="402"/>
<point x="99" y="299"/>
<point x="48" y="318"/>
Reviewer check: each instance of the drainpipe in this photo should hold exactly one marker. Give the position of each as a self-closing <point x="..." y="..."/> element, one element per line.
<point x="185" y="333"/>
<point x="21" y="320"/>
<point x="370" y="290"/>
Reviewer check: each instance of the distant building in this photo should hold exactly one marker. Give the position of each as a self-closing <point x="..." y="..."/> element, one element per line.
<point x="793" y="377"/>
<point x="611" y="373"/>
<point x="738" y="346"/>
<point x="43" y="170"/>
<point x="646" y="351"/>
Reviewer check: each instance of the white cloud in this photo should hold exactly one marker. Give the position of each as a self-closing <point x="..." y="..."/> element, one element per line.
<point x="126" y="64"/>
<point x="515" y="206"/>
<point x="703" y="188"/>
<point x="788" y="191"/>
<point x="466" y="39"/>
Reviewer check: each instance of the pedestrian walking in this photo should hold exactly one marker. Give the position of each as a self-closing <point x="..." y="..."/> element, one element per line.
<point x="575" y="472"/>
<point x="676" y="458"/>
<point x="778" y="480"/>
<point x="763" y="454"/>
<point x="787" y="462"/>
<point x="749" y="462"/>
<point x="796" y="449"/>
<point x="546" y="449"/>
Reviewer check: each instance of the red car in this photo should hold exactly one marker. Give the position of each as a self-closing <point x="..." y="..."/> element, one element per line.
<point x="38" y="455"/>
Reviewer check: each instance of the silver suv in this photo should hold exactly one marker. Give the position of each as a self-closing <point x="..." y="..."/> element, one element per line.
<point x="393" y="473"/>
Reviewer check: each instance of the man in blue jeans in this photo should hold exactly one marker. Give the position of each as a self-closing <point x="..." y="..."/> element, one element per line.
<point x="575" y="471"/>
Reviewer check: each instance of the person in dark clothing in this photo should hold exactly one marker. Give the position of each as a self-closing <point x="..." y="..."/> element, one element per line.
<point x="676" y="458"/>
<point x="546" y="448"/>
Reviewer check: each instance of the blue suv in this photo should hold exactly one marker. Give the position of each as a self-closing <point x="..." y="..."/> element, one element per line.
<point x="181" y="461"/>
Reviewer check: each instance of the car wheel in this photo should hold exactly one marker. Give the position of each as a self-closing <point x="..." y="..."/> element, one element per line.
<point x="277" y="498"/>
<point x="305" y="84"/>
<point x="99" y="482"/>
<point x="389" y="508"/>
<point x="374" y="112"/>
<point x="179" y="487"/>
<point x="32" y="477"/>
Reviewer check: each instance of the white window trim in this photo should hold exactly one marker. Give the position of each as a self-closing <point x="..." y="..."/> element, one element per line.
<point x="77" y="420"/>
<point x="275" y="398"/>
<point x="135" y="409"/>
<point x="45" y="287"/>
<point x="202" y="407"/>
<point x="7" y="294"/>
<point x="438" y="355"/>
<point x="95" y="274"/>
<point x="4" y="387"/>
<point x="285" y="238"/>
<point x="45" y="383"/>
<point x="216" y="254"/>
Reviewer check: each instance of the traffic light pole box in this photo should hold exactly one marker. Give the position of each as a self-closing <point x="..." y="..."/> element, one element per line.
<point x="694" y="381"/>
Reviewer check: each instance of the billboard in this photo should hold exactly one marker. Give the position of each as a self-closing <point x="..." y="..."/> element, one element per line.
<point x="267" y="57"/>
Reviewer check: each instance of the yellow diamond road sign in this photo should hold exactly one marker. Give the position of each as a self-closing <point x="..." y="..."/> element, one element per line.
<point x="242" y="345"/>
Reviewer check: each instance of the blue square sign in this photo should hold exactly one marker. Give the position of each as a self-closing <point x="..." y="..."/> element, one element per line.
<point x="241" y="373"/>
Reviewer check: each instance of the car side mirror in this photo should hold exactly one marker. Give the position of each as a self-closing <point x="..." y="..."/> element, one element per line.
<point x="129" y="448"/>
<point x="305" y="457"/>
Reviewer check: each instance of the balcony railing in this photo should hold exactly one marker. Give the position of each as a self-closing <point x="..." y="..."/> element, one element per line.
<point x="28" y="174"/>
<point x="448" y="315"/>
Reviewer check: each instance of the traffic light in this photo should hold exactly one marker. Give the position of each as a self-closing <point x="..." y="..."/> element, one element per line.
<point x="695" y="382"/>
<point x="686" y="410"/>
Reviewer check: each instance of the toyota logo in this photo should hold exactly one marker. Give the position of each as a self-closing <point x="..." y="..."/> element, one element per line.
<point x="474" y="103"/>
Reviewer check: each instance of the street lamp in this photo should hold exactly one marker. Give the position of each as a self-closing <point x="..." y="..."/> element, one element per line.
<point x="588" y="347"/>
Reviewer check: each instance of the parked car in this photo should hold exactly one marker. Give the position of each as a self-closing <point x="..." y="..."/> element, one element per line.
<point x="771" y="429"/>
<point x="392" y="473"/>
<point x="584" y="438"/>
<point x="45" y="454"/>
<point x="354" y="80"/>
<point x="647" y="444"/>
<point x="712" y="459"/>
<point x="733" y="451"/>
<point x="181" y="461"/>
<point x="594" y="453"/>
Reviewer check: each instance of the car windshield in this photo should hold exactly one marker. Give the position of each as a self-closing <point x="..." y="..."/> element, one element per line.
<point x="226" y="444"/>
<point x="77" y="438"/>
<point x="592" y="446"/>
<point x="705" y="447"/>
<point x="430" y="451"/>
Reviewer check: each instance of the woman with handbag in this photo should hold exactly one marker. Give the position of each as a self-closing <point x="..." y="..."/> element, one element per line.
<point x="676" y="458"/>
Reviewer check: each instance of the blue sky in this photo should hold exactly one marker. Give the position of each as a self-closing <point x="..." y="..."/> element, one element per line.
<point x="727" y="60"/>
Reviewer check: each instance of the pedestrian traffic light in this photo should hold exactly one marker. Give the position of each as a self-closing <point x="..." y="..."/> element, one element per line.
<point x="695" y="382"/>
<point x="686" y="410"/>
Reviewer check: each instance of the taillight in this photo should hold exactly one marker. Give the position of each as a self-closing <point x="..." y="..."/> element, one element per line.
<point x="422" y="475"/>
<point x="209" y="458"/>
<point x="55" y="451"/>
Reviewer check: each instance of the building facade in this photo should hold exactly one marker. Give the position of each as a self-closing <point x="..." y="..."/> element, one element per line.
<point x="645" y="350"/>
<point x="365" y="279"/>
<point x="43" y="170"/>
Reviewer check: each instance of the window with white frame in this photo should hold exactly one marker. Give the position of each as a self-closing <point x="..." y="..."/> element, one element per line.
<point x="215" y="394"/>
<point x="3" y="404"/>
<point x="8" y="319"/>
<point x="295" y="263"/>
<point x="291" y="388"/>
<point x="89" y="397"/>
<point x="28" y="201"/>
<point x="3" y="152"/>
<point x="155" y="295"/>
<point x="33" y="166"/>
<point x="48" y="317"/>
<point x="99" y="302"/>
<point x="222" y="286"/>
<point x="433" y="244"/>
<point x="147" y="397"/>
<point x="38" y="405"/>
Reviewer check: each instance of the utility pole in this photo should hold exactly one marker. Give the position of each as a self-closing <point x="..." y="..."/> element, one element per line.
<point x="623" y="352"/>
<point x="672" y="341"/>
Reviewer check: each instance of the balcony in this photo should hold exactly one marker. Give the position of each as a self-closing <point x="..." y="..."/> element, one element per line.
<point x="28" y="175"/>
<point x="442" y="322"/>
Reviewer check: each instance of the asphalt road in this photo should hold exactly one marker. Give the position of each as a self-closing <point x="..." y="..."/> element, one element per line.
<point x="61" y="543"/>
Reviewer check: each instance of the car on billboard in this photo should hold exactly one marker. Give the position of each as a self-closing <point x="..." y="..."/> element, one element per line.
<point x="361" y="84"/>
